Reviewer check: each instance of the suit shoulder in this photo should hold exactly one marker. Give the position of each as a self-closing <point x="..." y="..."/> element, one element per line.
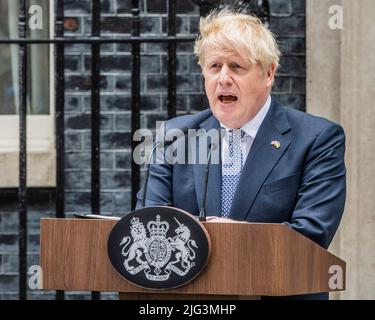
<point x="309" y="122"/>
<point x="189" y="121"/>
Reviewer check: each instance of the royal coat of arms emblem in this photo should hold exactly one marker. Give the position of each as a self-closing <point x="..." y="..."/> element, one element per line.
<point x="157" y="248"/>
<point x="153" y="254"/>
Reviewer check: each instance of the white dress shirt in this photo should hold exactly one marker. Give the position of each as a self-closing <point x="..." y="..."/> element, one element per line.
<point x="251" y="128"/>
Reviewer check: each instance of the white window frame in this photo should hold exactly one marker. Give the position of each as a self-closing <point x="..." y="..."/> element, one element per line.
<point x="40" y="131"/>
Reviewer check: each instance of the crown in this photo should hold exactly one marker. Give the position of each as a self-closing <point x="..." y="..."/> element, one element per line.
<point x="158" y="228"/>
<point x="136" y="226"/>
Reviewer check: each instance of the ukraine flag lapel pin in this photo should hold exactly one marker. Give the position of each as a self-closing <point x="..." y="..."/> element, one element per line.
<point x="276" y="144"/>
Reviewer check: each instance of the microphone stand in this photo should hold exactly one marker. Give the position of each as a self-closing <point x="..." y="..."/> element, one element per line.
<point x="148" y="173"/>
<point x="202" y="211"/>
<point x="167" y="141"/>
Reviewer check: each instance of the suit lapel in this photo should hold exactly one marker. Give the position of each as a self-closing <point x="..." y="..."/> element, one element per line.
<point x="262" y="157"/>
<point x="213" y="203"/>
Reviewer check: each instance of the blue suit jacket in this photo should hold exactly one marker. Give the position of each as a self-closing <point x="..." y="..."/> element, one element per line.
<point x="301" y="184"/>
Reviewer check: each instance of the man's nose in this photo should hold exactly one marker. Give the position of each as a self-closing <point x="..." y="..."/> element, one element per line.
<point x="225" y="77"/>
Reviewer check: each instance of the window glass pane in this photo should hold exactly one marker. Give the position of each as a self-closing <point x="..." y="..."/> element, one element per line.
<point x="38" y="87"/>
<point x="7" y="89"/>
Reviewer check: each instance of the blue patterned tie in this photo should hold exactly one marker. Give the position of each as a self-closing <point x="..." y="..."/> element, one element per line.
<point x="231" y="170"/>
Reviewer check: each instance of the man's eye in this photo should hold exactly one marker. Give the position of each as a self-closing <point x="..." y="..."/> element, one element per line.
<point x="215" y="66"/>
<point x="235" y="66"/>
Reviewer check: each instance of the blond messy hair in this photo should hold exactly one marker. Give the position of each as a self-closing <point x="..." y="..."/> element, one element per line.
<point x="239" y="32"/>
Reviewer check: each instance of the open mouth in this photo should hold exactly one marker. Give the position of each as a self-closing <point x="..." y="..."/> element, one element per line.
<point x="227" y="98"/>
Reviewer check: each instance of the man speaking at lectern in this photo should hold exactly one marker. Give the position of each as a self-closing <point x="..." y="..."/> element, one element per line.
<point x="278" y="165"/>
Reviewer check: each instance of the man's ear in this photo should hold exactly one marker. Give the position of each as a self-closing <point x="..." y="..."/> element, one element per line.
<point x="202" y="71"/>
<point x="270" y="76"/>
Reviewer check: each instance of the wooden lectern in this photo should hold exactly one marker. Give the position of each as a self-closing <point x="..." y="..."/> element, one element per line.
<point x="247" y="259"/>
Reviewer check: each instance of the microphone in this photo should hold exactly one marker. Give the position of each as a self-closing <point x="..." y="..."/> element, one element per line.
<point x="168" y="139"/>
<point x="202" y="210"/>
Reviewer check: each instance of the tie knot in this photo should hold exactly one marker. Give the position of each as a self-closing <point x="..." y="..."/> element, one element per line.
<point x="236" y="134"/>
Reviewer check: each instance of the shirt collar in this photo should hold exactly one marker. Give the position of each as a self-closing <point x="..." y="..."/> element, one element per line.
<point x="251" y="128"/>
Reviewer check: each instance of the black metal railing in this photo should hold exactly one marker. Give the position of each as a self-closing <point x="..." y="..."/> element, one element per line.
<point x="135" y="97"/>
<point x="95" y="40"/>
<point x="60" y="124"/>
<point x="22" y="190"/>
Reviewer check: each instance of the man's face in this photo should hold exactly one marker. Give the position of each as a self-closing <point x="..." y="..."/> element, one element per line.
<point x="236" y="89"/>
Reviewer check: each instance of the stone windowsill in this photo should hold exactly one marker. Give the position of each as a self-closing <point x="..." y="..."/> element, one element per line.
<point x="41" y="168"/>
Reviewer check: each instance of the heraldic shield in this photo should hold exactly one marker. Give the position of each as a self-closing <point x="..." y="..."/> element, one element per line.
<point x="159" y="247"/>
